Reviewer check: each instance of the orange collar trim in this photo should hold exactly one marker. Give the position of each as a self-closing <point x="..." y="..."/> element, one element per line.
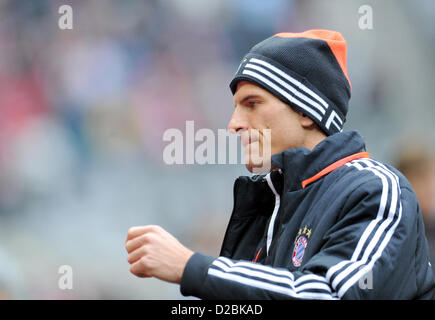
<point x="334" y="166"/>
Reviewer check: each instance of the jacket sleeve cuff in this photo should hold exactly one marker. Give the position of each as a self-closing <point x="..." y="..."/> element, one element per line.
<point x="194" y="274"/>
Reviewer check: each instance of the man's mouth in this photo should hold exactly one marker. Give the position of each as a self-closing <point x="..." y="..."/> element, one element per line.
<point x="249" y="136"/>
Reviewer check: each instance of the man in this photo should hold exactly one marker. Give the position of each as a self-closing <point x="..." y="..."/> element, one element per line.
<point x="327" y="222"/>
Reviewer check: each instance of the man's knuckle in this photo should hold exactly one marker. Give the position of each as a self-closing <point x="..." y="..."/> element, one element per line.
<point x="144" y="262"/>
<point x="130" y="258"/>
<point x="144" y="250"/>
<point x="131" y="231"/>
<point x="146" y="238"/>
<point x="153" y="228"/>
<point x="127" y="246"/>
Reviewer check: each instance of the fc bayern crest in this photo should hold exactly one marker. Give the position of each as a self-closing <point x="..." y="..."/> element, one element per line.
<point x="299" y="250"/>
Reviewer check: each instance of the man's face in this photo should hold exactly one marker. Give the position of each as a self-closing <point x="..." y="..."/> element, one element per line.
<point x="264" y="123"/>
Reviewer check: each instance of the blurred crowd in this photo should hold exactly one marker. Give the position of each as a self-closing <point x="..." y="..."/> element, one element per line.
<point x="83" y="112"/>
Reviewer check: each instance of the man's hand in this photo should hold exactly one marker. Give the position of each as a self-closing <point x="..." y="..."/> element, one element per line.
<point x="153" y="252"/>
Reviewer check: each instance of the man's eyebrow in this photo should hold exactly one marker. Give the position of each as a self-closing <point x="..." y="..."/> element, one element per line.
<point x="251" y="96"/>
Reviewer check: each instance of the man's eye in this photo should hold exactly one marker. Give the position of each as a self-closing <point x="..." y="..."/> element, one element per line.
<point x="252" y="103"/>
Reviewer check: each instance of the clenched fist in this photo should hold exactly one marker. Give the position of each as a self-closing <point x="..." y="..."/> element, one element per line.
<point x="153" y="252"/>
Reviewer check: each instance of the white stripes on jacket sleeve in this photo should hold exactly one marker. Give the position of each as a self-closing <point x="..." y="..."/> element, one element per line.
<point x="276" y="280"/>
<point x="343" y="275"/>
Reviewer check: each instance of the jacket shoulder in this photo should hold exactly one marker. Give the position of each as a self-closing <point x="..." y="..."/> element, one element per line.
<point x="373" y="176"/>
<point x="374" y="171"/>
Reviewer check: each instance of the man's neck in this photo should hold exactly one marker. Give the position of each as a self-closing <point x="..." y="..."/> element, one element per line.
<point x="313" y="138"/>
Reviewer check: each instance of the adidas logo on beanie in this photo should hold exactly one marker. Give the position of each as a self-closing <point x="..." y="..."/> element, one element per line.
<point x="306" y="70"/>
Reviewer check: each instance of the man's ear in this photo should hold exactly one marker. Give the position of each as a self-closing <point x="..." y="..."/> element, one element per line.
<point x="306" y="122"/>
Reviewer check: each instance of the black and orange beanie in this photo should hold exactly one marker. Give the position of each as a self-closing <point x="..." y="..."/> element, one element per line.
<point x="306" y="70"/>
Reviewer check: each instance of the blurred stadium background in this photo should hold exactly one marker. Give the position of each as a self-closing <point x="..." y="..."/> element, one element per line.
<point x="83" y="111"/>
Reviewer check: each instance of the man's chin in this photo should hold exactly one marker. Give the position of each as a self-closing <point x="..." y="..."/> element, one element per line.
<point x="258" y="169"/>
<point x="249" y="167"/>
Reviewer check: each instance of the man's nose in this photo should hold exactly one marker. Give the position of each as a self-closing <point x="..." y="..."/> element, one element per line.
<point x="238" y="121"/>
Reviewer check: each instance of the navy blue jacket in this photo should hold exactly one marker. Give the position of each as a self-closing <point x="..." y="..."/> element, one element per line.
<point x="330" y="224"/>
